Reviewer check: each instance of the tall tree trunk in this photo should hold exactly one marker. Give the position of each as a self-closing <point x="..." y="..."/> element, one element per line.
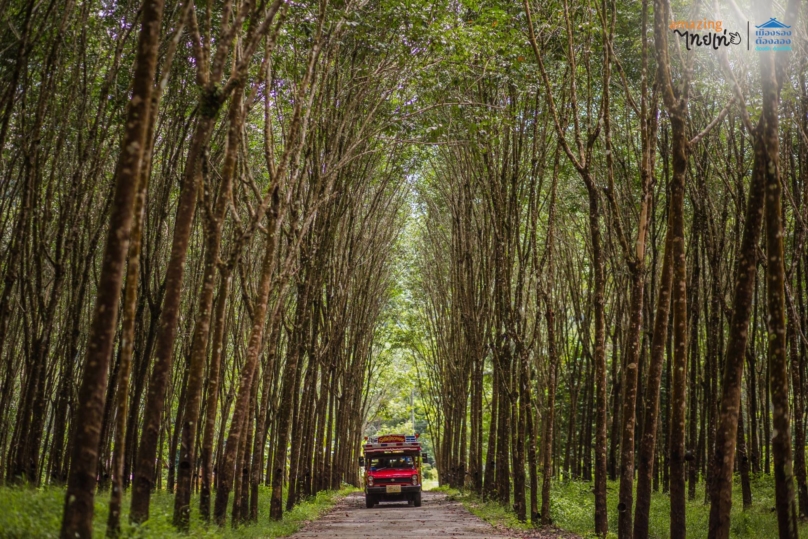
<point x="489" y="485"/>
<point x="799" y="429"/>
<point x="552" y="358"/>
<point x="217" y="355"/>
<point x="262" y="422"/>
<point x="693" y="456"/>
<point x="679" y="302"/>
<point x="676" y="101"/>
<point x="77" y="520"/>
<point x="285" y="416"/>
<point x="169" y="316"/>
<point x="525" y="408"/>
<point x="503" y="469"/>
<point x="238" y="424"/>
<point x="625" y="505"/>
<point x="649" y="442"/>
<point x="601" y="402"/>
<point x="199" y="345"/>
<point x="785" y="502"/>
<point x="547" y="439"/>
<point x="617" y="393"/>
<point x="128" y="337"/>
<point x="766" y="158"/>
<point x="743" y="463"/>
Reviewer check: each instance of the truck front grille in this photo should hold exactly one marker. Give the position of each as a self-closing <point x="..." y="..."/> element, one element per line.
<point x="394" y="481"/>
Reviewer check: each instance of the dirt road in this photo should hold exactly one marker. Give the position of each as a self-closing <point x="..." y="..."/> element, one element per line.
<point x="437" y="517"/>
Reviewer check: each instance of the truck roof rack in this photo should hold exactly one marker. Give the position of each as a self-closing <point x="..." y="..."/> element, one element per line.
<point x="392" y="441"/>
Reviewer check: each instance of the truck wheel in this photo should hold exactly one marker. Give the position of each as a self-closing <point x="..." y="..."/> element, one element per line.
<point x="417" y="499"/>
<point x="411" y="501"/>
<point x="370" y="501"/>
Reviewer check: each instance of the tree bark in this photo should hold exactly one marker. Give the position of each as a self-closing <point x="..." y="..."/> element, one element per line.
<point x="648" y="444"/>
<point x="161" y="371"/>
<point x="775" y="277"/>
<point x="199" y="345"/>
<point x="238" y="423"/>
<point x="217" y="354"/>
<point x="547" y="439"/>
<point x="128" y="336"/>
<point x="77" y="520"/>
<point x="284" y="418"/>
<point x="726" y="434"/>
<point x="799" y="429"/>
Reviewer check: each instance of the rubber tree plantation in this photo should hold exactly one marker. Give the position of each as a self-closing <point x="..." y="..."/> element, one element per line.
<point x="564" y="241"/>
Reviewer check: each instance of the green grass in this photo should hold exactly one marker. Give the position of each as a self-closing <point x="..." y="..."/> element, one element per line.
<point x="491" y="512"/>
<point x="36" y="513"/>
<point x="573" y="509"/>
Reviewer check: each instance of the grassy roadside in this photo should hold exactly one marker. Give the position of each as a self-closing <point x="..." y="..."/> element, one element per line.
<point x="573" y="506"/>
<point x="37" y="513"/>
<point x="492" y="512"/>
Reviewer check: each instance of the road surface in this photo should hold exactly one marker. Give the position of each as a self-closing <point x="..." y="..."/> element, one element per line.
<point x="437" y="517"/>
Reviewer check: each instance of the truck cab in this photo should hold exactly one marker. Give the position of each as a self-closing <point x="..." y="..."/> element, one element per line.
<point x="392" y="469"/>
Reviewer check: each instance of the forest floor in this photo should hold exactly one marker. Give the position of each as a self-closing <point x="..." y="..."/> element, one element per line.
<point x="37" y="513"/>
<point x="573" y="507"/>
<point x="440" y="515"/>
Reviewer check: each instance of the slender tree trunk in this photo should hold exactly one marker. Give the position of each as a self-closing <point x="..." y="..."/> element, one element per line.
<point x="504" y="423"/>
<point x="676" y="101"/>
<point x="625" y="505"/>
<point x="532" y="458"/>
<point x="552" y="359"/>
<point x="199" y="346"/>
<point x="217" y="355"/>
<point x="726" y="434"/>
<point x="693" y="423"/>
<point x="161" y="371"/>
<point x="173" y="427"/>
<point x="743" y="463"/>
<point x="649" y="442"/>
<point x="489" y="487"/>
<point x="128" y="338"/>
<point x="601" y="401"/>
<point x="617" y="391"/>
<point x="775" y="276"/>
<point x="547" y="439"/>
<point x="284" y="418"/>
<point x="799" y="429"/>
<point x="679" y="303"/>
<point x="262" y="423"/>
<point x="754" y="456"/>
<point x="79" y="498"/>
<point x="238" y="423"/>
<point x="525" y="408"/>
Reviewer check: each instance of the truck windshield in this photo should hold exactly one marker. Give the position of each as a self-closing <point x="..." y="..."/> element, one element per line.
<point x="403" y="462"/>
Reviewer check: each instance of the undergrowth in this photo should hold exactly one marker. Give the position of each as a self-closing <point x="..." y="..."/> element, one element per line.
<point x="36" y="513"/>
<point x="573" y="508"/>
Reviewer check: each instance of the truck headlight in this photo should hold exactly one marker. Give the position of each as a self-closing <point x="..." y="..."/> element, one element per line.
<point x="414" y="479"/>
<point x="370" y="480"/>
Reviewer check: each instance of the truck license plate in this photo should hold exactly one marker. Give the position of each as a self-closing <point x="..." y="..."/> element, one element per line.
<point x="393" y="489"/>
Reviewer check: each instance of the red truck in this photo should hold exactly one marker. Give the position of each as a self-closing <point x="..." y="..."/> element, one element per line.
<point x="392" y="469"/>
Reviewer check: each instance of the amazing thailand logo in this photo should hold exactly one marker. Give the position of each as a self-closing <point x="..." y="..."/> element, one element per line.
<point x="773" y="35"/>
<point x="705" y="33"/>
